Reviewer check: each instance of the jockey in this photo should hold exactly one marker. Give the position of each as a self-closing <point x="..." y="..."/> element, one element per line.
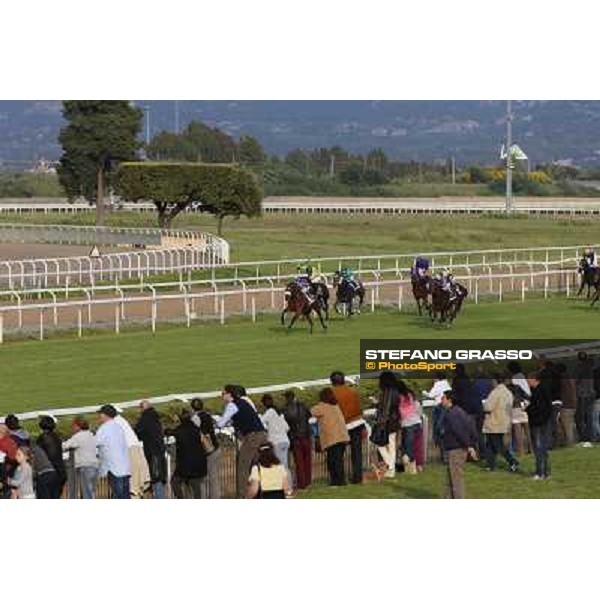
<point x="303" y="279"/>
<point x="347" y="276"/>
<point x="420" y="268"/>
<point x="448" y="283"/>
<point x="589" y="255"/>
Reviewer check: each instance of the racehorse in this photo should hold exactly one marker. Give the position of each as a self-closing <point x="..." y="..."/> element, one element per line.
<point x="349" y="295"/>
<point x="421" y="287"/>
<point x="300" y="304"/>
<point x="443" y="306"/>
<point x="590" y="277"/>
<point x="321" y="293"/>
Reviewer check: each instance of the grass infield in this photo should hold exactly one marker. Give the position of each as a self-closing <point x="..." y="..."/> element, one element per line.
<point x="103" y="367"/>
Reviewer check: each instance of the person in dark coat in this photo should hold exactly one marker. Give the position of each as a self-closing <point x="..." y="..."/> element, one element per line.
<point x="468" y="396"/>
<point x="539" y="413"/>
<point x="150" y="432"/>
<point x="298" y="417"/>
<point x="190" y="459"/>
<point x="51" y="443"/>
<point x="458" y="442"/>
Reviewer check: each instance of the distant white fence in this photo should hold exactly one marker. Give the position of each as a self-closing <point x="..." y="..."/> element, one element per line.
<point x="432" y="206"/>
<point x="214" y="255"/>
<point x="172" y="251"/>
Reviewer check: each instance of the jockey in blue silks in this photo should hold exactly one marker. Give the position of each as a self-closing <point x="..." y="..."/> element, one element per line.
<point x="420" y="268"/>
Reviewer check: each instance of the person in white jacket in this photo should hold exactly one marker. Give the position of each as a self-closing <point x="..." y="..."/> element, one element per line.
<point x="277" y="431"/>
<point x="140" y="472"/>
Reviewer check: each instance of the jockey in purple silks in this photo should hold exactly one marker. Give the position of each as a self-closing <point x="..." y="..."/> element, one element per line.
<point x="420" y="268"/>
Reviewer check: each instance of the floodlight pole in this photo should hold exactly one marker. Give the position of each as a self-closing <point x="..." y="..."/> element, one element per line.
<point x="147" y="111"/>
<point x="509" y="198"/>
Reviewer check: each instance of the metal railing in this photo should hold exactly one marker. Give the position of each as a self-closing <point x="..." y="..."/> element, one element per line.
<point x="213" y="253"/>
<point x="186" y="306"/>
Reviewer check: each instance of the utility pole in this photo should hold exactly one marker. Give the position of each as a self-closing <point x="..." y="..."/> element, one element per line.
<point x="332" y="165"/>
<point x="177" y="117"/>
<point x="509" y="199"/>
<point x="147" y="113"/>
<point x="453" y="162"/>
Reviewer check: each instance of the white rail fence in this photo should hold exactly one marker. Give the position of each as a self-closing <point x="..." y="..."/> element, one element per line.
<point x="213" y="253"/>
<point x="186" y="306"/>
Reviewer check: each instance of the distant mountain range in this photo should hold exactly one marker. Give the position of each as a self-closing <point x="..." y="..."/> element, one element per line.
<point x="473" y="131"/>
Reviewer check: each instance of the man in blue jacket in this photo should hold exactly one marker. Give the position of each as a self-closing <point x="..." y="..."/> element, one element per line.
<point x="459" y="441"/>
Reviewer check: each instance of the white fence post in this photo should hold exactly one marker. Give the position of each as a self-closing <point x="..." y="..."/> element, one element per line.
<point x="79" y="322"/>
<point x="222" y="310"/>
<point x="477" y="291"/>
<point x="1" y="328"/>
<point x="399" y="297"/>
<point x="372" y="300"/>
<point x="522" y="290"/>
<point x="41" y="324"/>
<point x="500" y="290"/>
<point x="253" y="304"/>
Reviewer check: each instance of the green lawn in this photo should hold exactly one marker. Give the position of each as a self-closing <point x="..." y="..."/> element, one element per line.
<point x="574" y="475"/>
<point x="104" y="367"/>
<point x="281" y="236"/>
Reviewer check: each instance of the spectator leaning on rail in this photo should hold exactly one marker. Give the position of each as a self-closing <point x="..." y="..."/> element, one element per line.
<point x="140" y="472"/>
<point x="277" y="430"/>
<point x="17" y="433"/>
<point x="113" y="454"/>
<point x="83" y="445"/>
<point x="460" y="439"/>
<point x="51" y="443"/>
<point x="497" y="422"/>
<point x="150" y="432"/>
<point x="539" y="412"/>
<point x="210" y="442"/>
<point x="332" y="433"/>
<point x="349" y="402"/>
<point x="298" y="417"/>
<point x="388" y="418"/>
<point x="188" y="480"/>
<point x="249" y="428"/>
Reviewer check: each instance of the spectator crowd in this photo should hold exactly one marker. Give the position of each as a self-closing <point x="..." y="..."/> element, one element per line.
<point x="474" y="417"/>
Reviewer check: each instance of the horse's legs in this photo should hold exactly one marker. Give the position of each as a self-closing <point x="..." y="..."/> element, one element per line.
<point x="321" y="319"/>
<point x="595" y="298"/>
<point x="293" y="320"/>
<point x="310" y="321"/>
<point x="283" y="316"/>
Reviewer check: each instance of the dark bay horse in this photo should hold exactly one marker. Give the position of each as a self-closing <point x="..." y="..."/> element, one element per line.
<point x="445" y="307"/>
<point x="301" y="304"/>
<point x="590" y="277"/>
<point x="421" y="288"/>
<point x="349" y="296"/>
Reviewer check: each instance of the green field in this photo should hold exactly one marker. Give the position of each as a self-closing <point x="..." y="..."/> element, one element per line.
<point x="280" y="236"/>
<point x="104" y="367"/>
<point x="574" y="475"/>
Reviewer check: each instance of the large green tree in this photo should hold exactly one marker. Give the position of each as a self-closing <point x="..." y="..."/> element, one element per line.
<point x="99" y="134"/>
<point x="220" y="190"/>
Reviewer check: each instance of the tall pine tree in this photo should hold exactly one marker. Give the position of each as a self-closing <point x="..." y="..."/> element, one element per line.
<point x="99" y="134"/>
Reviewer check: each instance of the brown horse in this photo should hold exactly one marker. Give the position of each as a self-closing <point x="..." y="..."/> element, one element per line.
<point x="301" y="304"/>
<point x="421" y="289"/>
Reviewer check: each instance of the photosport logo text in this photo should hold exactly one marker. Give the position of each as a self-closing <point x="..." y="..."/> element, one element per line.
<point x="423" y="358"/>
